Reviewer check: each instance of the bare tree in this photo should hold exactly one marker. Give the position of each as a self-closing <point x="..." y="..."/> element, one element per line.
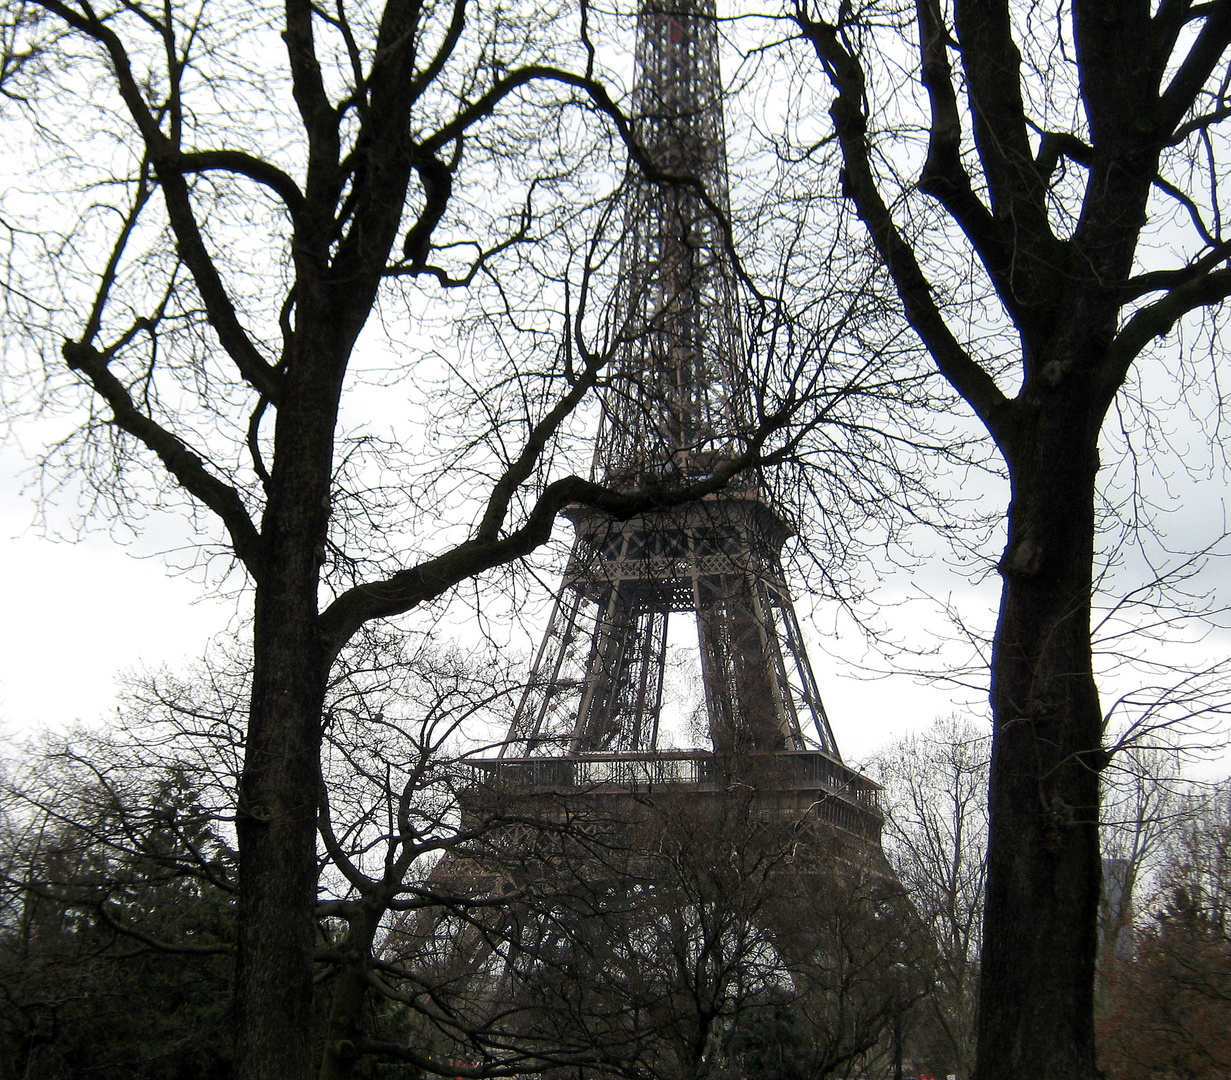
<point x="1167" y="1001"/>
<point x="651" y="937"/>
<point x="1058" y="218"/>
<point x="668" y="936"/>
<point x="935" y="798"/>
<point x="119" y="864"/>
<point x="1147" y="803"/>
<point x="117" y="926"/>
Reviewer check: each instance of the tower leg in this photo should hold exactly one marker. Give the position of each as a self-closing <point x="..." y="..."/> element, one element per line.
<point x="741" y="690"/>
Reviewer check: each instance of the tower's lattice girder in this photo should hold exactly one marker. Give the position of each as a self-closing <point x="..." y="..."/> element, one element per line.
<point x="678" y="399"/>
<point x="597" y="682"/>
<point x="584" y="782"/>
<point x="678" y="403"/>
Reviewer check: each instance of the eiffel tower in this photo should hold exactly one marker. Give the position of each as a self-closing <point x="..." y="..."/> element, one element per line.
<point x="591" y="837"/>
<point x="678" y="404"/>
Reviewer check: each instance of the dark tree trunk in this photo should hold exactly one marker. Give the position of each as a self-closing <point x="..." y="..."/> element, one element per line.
<point x="1036" y="1006"/>
<point x="277" y="847"/>
<point x="1084" y="311"/>
<point x="341" y="1052"/>
<point x="276" y="822"/>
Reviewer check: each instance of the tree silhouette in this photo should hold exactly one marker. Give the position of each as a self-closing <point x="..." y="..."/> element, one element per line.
<point x="1059" y="215"/>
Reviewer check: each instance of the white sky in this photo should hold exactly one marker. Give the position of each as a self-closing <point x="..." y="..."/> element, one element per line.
<point x="79" y="614"/>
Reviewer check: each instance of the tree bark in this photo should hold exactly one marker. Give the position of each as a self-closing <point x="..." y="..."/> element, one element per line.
<point x="1044" y="870"/>
<point x="277" y="848"/>
<point x="276" y="821"/>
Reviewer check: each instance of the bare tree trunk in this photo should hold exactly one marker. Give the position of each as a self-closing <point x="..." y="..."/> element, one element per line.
<point x="1062" y="256"/>
<point x="276" y="821"/>
<point x="340" y="1055"/>
<point x="277" y="875"/>
<point x="1036" y="1005"/>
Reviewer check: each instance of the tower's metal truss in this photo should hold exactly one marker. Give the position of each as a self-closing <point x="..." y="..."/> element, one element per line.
<point x="678" y="399"/>
<point x="678" y="403"/>
<point x="597" y="681"/>
<point x="584" y="755"/>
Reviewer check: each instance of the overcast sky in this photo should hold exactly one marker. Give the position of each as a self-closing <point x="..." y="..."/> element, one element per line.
<point x="80" y="613"/>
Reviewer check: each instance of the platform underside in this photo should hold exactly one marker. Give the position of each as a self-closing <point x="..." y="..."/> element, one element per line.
<point x="800" y="786"/>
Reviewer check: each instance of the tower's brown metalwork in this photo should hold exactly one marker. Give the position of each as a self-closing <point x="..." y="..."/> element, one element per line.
<point x="587" y="822"/>
<point x="678" y="404"/>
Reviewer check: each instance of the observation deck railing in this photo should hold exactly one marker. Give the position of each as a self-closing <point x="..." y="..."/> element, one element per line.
<point x="801" y="780"/>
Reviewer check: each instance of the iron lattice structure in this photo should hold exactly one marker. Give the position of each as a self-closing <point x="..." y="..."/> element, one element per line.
<point x="679" y="403"/>
<point x="679" y="398"/>
<point x="570" y="827"/>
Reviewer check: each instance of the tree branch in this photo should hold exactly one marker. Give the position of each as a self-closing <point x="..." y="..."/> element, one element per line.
<point x="1156" y="320"/>
<point x="992" y="65"/>
<point x="166" y="159"/>
<point x="601" y="100"/>
<point x="498" y="501"/>
<point x="1206" y="52"/>
<point x="943" y="175"/>
<point x="262" y="172"/>
<point x="180" y="461"/>
<point x="408" y="588"/>
<point x="846" y="75"/>
<point x="1160" y="280"/>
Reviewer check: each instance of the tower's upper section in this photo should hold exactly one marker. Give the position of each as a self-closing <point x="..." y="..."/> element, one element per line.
<point x="677" y="100"/>
<point x="678" y="401"/>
